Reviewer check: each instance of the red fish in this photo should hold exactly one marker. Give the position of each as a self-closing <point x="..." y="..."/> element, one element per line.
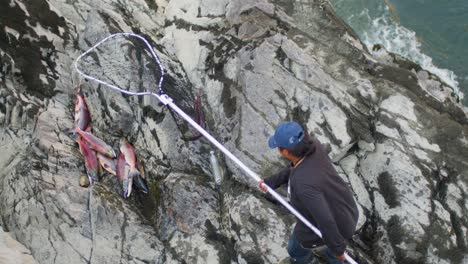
<point x="120" y="166"/>
<point x="82" y="115"/>
<point x="107" y="163"/>
<point x="96" y="143"/>
<point x="129" y="153"/>
<point x="200" y="115"/>
<point x="123" y="174"/>
<point x="91" y="162"/>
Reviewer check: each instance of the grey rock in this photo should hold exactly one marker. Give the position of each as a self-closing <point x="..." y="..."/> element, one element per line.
<point x="11" y="251"/>
<point x="256" y="66"/>
<point x="192" y="233"/>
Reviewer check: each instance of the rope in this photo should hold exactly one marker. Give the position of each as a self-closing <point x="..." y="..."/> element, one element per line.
<point x="166" y="100"/>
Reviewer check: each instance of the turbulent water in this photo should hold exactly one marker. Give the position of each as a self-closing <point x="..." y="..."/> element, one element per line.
<point x="432" y="33"/>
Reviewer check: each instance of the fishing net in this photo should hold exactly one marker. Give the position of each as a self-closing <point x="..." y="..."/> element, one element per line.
<point x="125" y="62"/>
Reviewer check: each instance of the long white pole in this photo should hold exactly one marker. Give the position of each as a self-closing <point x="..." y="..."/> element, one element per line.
<point x="168" y="101"/>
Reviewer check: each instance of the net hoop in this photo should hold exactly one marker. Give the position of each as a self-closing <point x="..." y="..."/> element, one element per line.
<point x="150" y="48"/>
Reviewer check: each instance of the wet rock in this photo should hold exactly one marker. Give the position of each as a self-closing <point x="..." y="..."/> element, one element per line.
<point x="399" y="135"/>
<point x="13" y="252"/>
<point x="188" y="214"/>
<point x="349" y="165"/>
<point x="260" y="234"/>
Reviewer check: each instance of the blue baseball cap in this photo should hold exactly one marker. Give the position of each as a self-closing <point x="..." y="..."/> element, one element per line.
<point x="287" y="135"/>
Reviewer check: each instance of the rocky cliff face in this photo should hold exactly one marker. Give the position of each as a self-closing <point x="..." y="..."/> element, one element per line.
<point x="13" y="252"/>
<point x="397" y="134"/>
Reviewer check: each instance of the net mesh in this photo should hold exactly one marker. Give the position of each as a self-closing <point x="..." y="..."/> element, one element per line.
<point x="125" y="62"/>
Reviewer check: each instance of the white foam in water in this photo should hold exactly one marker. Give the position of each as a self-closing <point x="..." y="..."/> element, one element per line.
<point x="400" y="40"/>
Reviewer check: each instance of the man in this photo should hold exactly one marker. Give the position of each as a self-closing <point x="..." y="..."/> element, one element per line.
<point x="316" y="191"/>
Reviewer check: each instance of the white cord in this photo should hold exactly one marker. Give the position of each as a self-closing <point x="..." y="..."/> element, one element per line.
<point x="150" y="48"/>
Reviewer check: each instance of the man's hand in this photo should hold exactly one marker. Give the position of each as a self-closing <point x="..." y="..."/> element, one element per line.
<point x="262" y="185"/>
<point x="332" y="258"/>
<point x="342" y="257"/>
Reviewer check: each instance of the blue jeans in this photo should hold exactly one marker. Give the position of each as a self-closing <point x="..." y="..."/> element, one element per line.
<point x="297" y="252"/>
<point x="301" y="255"/>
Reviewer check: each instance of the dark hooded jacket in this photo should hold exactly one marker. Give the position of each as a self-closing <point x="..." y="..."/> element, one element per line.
<point x="321" y="196"/>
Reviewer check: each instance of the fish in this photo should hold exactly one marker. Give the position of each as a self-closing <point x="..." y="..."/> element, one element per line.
<point x="140" y="180"/>
<point x="107" y="163"/>
<point x="140" y="183"/>
<point x="141" y="169"/>
<point x="200" y="115"/>
<point x="129" y="153"/>
<point x="199" y="118"/>
<point x="96" y="143"/>
<point x="91" y="162"/>
<point x="120" y="166"/>
<point x="216" y="168"/>
<point x="82" y="116"/>
<point x="123" y="175"/>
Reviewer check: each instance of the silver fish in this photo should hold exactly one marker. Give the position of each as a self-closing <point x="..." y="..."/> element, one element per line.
<point x="215" y="168"/>
<point x="107" y="163"/>
<point x="82" y="115"/>
<point x="96" y="143"/>
<point x="129" y="153"/>
<point x="123" y="174"/>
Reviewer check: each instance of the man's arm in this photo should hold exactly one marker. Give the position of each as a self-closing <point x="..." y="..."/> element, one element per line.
<point x="277" y="179"/>
<point x="320" y="211"/>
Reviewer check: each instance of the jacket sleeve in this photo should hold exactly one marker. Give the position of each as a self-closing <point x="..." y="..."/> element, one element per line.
<point x="279" y="178"/>
<point x="317" y="206"/>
